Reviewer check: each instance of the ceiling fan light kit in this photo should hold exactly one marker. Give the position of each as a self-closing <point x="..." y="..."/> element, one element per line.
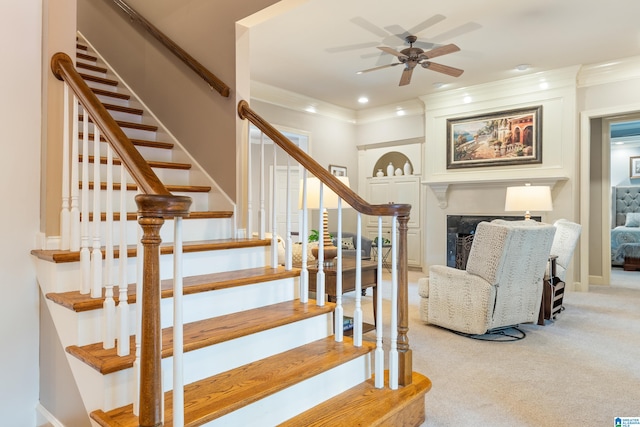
<point x="412" y="56"/>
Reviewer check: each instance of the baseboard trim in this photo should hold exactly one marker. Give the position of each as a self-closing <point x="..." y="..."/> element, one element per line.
<point x="48" y="416"/>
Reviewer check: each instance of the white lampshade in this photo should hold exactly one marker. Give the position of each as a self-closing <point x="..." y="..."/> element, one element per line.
<point x="528" y="198"/>
<point x="330" y="199"/>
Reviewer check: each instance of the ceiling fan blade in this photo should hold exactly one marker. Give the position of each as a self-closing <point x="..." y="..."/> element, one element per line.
<point x="439" y="51"/>
<point x="372" y="28"/>
<point x="391" y="51"/>
<point x="405" y="79"/>
<point x="427" y="23"/>
<point x="339" y="49"/>
<point x="397" y="31"/>
<point x="444" y="69"/>
<point x="379" y="68"/>
<point x="425" y="45"/>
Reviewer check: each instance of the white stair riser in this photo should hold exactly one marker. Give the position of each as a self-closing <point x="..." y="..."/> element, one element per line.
<point x="90" y="72"/>
<point x="125" y="117"/>
<point x="89" y="324"/>
<point x="279" y="407"/>
<point x="173" y="176"/>
<point x="149" y="153"/>
<point x="199" y="201"/>
<point x="117" y="389"/>
<point x="65" y="277"/>
<point x="115" y="101"/>
<point x="103" y="86"/>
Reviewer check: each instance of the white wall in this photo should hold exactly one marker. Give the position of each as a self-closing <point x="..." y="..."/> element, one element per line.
<point x="620" y="155"/>
<point x="481" y="190"/>
<point x="20" y="121"/>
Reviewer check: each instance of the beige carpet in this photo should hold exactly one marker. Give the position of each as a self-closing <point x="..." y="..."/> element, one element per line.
<point x="581" y="370"/>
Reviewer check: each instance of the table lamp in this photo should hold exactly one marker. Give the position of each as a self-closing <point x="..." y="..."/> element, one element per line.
<point x="528" y="198"/>
<point x="330" y="201"/>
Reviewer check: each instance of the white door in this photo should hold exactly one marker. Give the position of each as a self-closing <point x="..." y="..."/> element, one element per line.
<point x="281" y="200"/>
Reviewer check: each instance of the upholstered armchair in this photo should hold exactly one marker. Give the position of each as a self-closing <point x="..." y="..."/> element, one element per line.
<point x="502" y="283"/>
<point x="564" y="244"/>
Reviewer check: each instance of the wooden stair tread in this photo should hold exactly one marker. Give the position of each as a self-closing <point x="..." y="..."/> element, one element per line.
<point x="78" y="302"/>
<point x="123" y="109"/>
<point x="365" y="405"/>
<point x="111" y="94"/>
<point x="91" y="67"/>
<point x="213" y="397"/>
<point x="86" y="57"/>
<point x="152" y="163"/>
<point x="204" y="333"/>
<point x="172" y="188"/>
<point x="139" y="142"/>
<point x="101" y="80"/>
<point x="130" y="125"/>
<point x="59" y="256"/>
<point x="81" y="46"/>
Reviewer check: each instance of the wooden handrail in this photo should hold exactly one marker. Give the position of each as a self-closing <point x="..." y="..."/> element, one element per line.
<point x="402" y="212"/>
<point x="345" y="193"/>
<point x="212" y="80"/>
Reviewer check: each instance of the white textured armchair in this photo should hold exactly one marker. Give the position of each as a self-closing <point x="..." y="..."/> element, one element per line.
<point x="502" y="285"/>
<point x="564" y="244"/>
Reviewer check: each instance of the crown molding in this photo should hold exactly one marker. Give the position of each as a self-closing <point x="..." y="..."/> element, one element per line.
<point x="609" y="72"/>
<point x="294" y="101"/>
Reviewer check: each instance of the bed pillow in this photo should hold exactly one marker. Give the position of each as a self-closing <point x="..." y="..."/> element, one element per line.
<point x="633" y="219"/>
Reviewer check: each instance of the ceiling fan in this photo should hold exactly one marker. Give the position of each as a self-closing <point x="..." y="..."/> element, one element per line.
<point x="413" y="56"/>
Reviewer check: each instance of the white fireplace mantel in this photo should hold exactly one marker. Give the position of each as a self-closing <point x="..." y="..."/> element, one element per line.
<point x="441" y="188"/>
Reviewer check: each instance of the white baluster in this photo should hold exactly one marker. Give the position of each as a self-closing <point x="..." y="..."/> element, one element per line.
<point x="288" y="242"/>
<point x="74" y="239"/>
<point x="393" y="354"/>
<point x="320" y="276"/>
<point x="261" y="211"/>
<point x="139" y="296"/>
<point x="274" y="217"/>
<point x="379" y="354"/>
<point x="339" y="311"/>
<point x="357" y="314"/>
<point x="250" y="190"/>
<point x="96" y="253"/>
<point x="64" y="212"/>
<point x="123" y="303"/>
<point x="178" y="340"/>
<point x="109" y="305"/>
<point x="85" y="254"/>
<point x="304" y="236"/>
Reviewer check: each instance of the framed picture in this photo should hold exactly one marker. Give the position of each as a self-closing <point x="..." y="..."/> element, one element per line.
<point x="502" y="138"/>
<point x="338" y="170"/>
<point x="634" y="167"/>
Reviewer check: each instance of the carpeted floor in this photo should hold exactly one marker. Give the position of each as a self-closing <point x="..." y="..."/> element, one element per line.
<point x="581" y="370"/>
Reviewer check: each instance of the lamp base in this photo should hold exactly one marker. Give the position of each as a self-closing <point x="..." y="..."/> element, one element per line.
<point x="329" y="254"/>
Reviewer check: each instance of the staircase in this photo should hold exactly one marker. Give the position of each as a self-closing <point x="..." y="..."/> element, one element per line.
<point x="254" y="354"/>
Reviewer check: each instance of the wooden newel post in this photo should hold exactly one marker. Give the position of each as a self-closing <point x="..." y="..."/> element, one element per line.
<point x="152" y="210"/>
<point x="405" y="360"/>
<point x="150" y="341"/>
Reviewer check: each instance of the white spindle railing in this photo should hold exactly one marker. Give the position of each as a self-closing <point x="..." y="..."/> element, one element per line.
<point x="109" y="305"/>
<point x="178" y="341"/>
<point x="85" y="254"/>
<point x="74" y="240"/>
<point x="123" y="283"/>
<point x="323" y="264"/>
<point x="65" y="214"/>
<point x="96" y="252"/>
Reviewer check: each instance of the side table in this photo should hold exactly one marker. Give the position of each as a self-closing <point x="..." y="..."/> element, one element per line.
<point x="552" y="294"/>
<point x="386" y="251"/>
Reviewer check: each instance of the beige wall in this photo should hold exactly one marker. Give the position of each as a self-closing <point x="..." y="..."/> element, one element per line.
<point x="21" y="124"/>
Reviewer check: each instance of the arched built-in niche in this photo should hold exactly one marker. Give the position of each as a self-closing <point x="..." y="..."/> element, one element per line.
<point x="397" y="159"/>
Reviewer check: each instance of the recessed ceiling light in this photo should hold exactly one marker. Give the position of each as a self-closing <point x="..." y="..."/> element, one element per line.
<point x="363" y="100"/>
<point x="310" y="109"/>
<point x="522" y="67"/>
<point x="467" y="99"/>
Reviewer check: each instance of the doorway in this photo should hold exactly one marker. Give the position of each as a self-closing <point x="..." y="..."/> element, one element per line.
<point x="605" y="167"/>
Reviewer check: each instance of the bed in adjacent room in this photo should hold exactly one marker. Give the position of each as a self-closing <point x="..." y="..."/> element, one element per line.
<point x="625" y="237"/>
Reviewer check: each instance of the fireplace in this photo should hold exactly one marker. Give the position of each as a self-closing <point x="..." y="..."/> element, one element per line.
<point x="460" y="231"/>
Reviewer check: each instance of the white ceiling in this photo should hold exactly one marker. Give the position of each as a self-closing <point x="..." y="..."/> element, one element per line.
<point x="317" y="48"/>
